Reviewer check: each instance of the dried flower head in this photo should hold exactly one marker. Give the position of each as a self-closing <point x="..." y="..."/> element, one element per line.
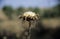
<point x="28" y="16"/>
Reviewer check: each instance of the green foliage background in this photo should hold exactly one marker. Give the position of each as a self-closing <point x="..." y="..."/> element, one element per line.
<point x="47" y="13"/>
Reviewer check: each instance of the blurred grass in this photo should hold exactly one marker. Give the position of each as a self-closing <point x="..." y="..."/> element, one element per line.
<point x="15" y="25"/>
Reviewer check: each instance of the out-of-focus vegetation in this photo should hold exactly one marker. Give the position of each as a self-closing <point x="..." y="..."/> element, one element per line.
<point x="17" y="27"/>
<point x="53" y="12"/>
<point x="8" y="10"/>
<point x="47" y="13"/>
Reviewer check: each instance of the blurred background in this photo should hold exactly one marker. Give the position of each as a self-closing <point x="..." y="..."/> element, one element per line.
<point x="48" y="27"/>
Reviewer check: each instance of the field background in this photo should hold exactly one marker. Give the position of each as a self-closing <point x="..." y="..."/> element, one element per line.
<point x="49" y="20"/>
